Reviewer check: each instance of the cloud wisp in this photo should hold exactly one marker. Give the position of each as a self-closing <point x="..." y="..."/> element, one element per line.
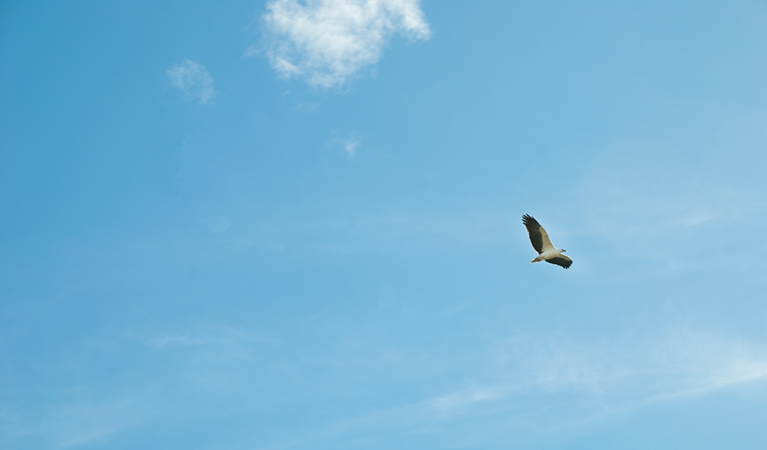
<point x="328" y="42"/>
<point x="535" y="385"/>
<point x="621" y="377"/>
<point x="88" y="423"/>
<point x="193" y="80"/>
<point x="349" y="144"/>
<point x="652" y="204"/>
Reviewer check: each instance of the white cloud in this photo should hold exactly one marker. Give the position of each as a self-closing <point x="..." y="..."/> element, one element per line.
<point x="349" y="144"/>
<point x="350" y="147"/>
<point x="329" y="41"/>
<point x="651" y="202"/>
<point x="86" y="423"/>
<point x="193" y="80"/>
<point x="534" y="385"/>
<point x="620" y="376"/>
<point x="467" y="397"/>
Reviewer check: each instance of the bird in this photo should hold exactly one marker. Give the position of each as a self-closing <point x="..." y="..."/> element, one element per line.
<point x="542" y="244"/>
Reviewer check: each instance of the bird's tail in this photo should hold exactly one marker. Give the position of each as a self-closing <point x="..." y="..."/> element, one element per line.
<point x="538" y="259"/>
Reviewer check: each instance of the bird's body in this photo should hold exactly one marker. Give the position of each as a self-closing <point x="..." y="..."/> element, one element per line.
<point x="545" y="256"/>
<point x="542" y="244"/>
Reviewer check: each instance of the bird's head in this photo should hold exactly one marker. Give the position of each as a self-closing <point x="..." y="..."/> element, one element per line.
<point x="563" y="250"/>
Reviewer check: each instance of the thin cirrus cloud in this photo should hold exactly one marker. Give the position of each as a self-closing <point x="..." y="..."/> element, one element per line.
<point x="349" y="144"/>
<point x="534" y="386"/>
<point x="193" y="80"/>
<point x="328" y="42"/>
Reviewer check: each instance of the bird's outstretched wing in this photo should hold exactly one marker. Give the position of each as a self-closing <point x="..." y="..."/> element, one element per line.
<point x="538" y="236"/>
<point x="561" y="260"/>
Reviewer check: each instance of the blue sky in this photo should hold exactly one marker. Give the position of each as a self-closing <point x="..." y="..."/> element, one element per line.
<point x="288" y="225"/>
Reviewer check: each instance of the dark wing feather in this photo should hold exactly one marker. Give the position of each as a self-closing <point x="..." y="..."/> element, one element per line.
<point x="534" y="230"/>
<point x="561" y="260"/>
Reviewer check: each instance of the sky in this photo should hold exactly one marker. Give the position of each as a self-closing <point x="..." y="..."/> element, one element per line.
<point x="296" y="225"/>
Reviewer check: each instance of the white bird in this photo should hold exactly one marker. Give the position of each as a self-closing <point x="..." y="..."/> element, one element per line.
<point x="542" y="244"/>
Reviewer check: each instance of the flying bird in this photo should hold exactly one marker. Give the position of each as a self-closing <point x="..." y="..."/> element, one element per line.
<point x="542" y="244"/>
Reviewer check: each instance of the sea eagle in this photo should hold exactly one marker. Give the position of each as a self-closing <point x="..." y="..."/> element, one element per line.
<point x="542" y="244"/>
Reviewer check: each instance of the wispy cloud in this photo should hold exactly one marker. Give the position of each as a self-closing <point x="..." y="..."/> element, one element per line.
<point x="85" y="423"/>
<point x="349" y="144"/>
<point x="652" y="203"/>
<point x="620" y="376"/>
<point x="327" y="42"/>
<point x="536" y="384"/>
<point x="468" y="396"/>
<point x="193" y="80"/>
<point x="350" y="147"/>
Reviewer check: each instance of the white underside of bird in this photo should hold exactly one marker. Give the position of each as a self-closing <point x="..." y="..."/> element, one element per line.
<point x="548" y="254"/>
